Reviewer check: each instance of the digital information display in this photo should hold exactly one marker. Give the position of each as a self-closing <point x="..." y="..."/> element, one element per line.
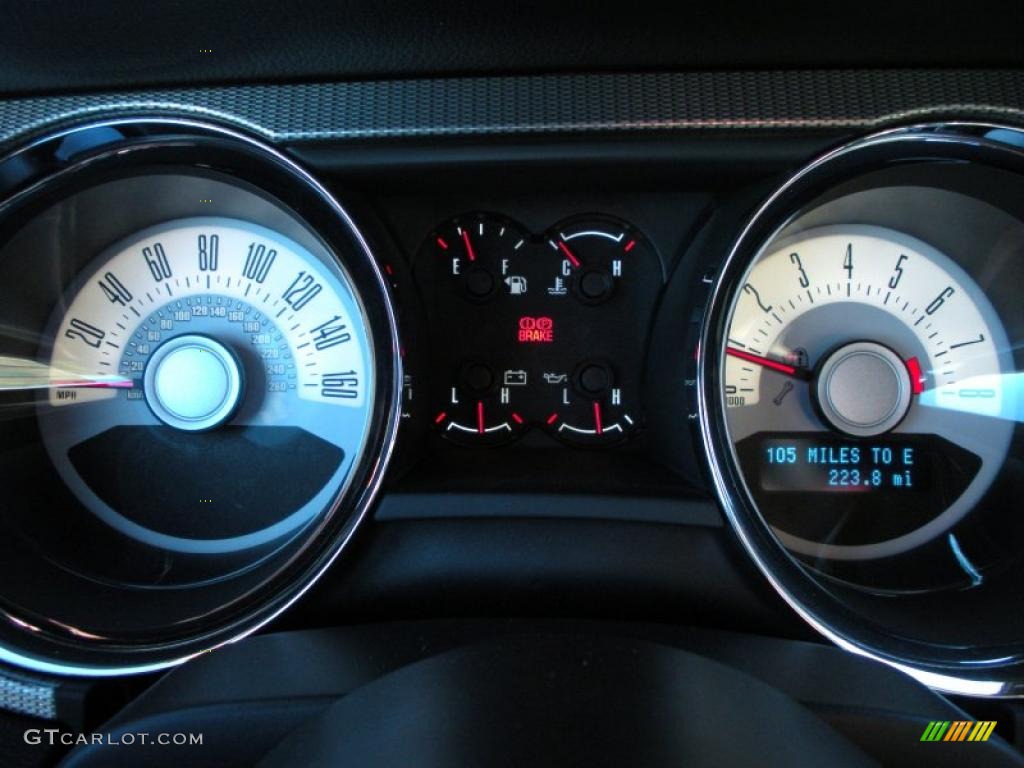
<point x="833" y="465"/>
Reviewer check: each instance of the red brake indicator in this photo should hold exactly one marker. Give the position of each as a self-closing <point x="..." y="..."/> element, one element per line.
<point x="469" y="246"/>
<point x="568" y="254"/>
<point x="916" y="376"/>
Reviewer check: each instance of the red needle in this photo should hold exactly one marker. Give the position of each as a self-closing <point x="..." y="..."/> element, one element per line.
<point x="568" y="254"/>
<point x="597" y="417"/>
<point x="916" y="376"/>
<point x="469" y="245"/>
<point x="772" y="365"/>
<point x="480" y="416"/>
<point x="116" y="384"/>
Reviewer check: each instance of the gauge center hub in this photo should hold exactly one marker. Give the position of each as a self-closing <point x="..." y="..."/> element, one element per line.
<point x="864" y="389"/>
<point x="193" y="383"/>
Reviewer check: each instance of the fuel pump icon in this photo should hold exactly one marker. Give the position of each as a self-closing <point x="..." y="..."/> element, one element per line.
<point x="516" y="284"/>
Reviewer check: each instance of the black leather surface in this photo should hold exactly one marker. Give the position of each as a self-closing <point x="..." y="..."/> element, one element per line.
<point x="549" y="699"/>
<point x="553" y="568"/>
<point x="538" y="693"/>
<point x="71" y="45"/>
<point x="565" y="701"/>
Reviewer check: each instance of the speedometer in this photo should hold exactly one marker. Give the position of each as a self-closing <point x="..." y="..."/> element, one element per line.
<point x="199" y="388"/>
<point x="863" y="362"/>
<point x="199" y="350"/>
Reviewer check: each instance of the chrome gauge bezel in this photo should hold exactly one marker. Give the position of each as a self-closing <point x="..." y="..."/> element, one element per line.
<point x="65" y="162"/>
<point x="962" y="670"/>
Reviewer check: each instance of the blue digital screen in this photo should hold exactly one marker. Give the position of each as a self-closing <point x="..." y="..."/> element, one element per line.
<point x="835" y="465"/>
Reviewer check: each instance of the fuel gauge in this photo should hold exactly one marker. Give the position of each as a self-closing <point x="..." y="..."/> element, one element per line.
<point x="476" y="252"/>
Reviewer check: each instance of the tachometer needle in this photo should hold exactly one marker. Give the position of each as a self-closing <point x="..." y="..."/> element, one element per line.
<point x="788" y="370"/>
<point x="469" y="246"/>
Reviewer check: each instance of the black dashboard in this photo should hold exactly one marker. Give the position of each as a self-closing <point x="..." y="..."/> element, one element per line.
<point x="385" y="359"/>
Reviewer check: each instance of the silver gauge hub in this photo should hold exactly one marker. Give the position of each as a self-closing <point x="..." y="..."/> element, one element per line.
<point x="864" y="389"/>
<point x="193" y="382"/>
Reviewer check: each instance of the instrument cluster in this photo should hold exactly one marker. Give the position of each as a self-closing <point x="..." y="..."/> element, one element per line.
<point x="204" y="362"/>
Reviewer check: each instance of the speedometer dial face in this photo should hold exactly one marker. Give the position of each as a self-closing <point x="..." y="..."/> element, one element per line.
<point x="865" y="384"/>
<point x="211" y="385"/>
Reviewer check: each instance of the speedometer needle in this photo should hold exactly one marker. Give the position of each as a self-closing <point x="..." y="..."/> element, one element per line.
<point x="19" y="373"/>
<point x="802" y="374"/>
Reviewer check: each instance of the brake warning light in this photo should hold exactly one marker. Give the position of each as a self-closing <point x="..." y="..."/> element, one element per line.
<point x="533" y="330"/>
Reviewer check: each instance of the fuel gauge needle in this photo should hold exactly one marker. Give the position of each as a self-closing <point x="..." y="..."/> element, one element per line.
<point x="802" y="374"/>
<point x="470" y="253"/>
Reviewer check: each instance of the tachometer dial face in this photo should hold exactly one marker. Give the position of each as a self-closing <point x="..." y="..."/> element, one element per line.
<point x="865" y="367"/>
<point x="211" y="383"/>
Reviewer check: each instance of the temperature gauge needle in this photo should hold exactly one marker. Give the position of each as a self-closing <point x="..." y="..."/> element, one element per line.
<point x="598" y="426"/>
<point x="568" y="254"/>
<point x="802" y="374"/>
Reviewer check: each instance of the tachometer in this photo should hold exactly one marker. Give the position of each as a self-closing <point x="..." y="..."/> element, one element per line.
<point x="863" y="362"/>
<point x="861" y="399"/>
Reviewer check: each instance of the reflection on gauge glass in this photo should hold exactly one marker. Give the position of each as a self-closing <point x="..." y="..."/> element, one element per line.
<point x="209" y="386"/>
<point x="868" y="391"/>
